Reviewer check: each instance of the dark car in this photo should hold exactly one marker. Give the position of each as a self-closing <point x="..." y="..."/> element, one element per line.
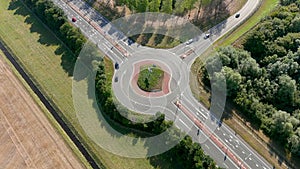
<point x="116" y="65"/>
<point x="237" y="15"/>
<point x="130" y="42"/>
<point x="116" y="79"/>
<point x="206" y="36"/>
<point x="74" y="19"/>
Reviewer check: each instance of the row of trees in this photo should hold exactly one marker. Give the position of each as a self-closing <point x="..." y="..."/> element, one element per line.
<point x="56" y="20"/>
<point x="179" y="7"/>
<point x="263" y="79"/>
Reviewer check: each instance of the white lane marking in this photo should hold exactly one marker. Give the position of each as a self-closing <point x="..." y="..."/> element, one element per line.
<point x="184" y="124"/>
<point x="186" y="99"/>
<point x="248" y="157"/>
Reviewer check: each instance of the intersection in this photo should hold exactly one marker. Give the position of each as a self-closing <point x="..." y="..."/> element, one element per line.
<point x="115" y="45"/>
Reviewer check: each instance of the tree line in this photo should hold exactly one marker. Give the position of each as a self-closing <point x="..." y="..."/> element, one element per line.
<point x="263" y="78"/>
<point x="57" y="21"/>
<point x="188" y="153"/>
<point x="178" y="7"/>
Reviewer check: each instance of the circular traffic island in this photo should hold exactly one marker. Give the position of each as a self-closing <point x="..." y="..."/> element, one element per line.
<point x="150" y="78"/>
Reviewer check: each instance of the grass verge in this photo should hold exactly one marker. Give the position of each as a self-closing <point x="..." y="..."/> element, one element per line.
<point x="266" y="7"/>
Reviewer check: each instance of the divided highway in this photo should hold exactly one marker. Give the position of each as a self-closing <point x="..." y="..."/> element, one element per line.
<point x="217" y="140"/>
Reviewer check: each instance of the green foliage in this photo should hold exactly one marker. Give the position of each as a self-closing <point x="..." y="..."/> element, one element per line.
<point x="232" y="78"/>
<point x="150" y="78"/>
<point x="276" y="27"/>
<point x="179" y="7"/>
<point x="56" y="20"/>
<point x="265" y="85"/>
<point x="288" y="2"/>
<point x="295" y="24"/>
<point x="166" y="6"/>
<point x="286" y="91"/>
<point x="191" y="156"/>
<point x="154" y="5"/>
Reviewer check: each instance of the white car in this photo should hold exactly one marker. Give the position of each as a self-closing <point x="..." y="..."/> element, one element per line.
<point x="189" y="42"/>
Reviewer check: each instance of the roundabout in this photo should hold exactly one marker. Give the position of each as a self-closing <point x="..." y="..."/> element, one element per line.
<point x="129" y="94"/>
<point x="175" y="99"/>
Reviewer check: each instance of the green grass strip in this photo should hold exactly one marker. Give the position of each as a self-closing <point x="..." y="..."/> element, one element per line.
<point x="266" y="7"/>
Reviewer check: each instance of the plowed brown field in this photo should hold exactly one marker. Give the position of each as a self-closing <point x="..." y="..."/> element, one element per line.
<point x="27" y="138"/>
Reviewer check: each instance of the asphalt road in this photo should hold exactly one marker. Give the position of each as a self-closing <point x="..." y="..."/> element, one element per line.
<point x="115" y="45"/>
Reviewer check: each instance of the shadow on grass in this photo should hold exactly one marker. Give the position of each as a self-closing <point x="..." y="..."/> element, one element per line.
<point x="46" y="36"/>
<point x="83" y="72"/>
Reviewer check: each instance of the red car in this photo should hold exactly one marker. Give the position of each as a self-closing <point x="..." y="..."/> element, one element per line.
<point x="74" y="19"/>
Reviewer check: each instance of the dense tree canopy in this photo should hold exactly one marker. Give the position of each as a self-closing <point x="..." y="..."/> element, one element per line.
<point x="179" y="7"/>
<point x="263" y="79"/>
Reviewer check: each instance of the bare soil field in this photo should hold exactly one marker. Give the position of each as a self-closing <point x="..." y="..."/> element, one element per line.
<point x="27" y="138"/>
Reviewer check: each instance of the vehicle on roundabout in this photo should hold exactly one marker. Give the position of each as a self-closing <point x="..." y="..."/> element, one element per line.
<point x="117" y="65"/>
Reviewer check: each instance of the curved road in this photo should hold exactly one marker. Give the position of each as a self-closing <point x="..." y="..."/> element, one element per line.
<point x="227" y="149"/>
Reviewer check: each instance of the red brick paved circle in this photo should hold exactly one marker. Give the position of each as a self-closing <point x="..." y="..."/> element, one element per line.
<point x="166" y="81"/>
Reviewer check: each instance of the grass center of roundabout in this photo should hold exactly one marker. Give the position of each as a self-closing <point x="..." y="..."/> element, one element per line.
<point x="150" y="78"/>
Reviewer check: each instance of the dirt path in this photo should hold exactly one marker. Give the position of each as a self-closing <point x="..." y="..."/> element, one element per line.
<point x="27" y="138"/>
